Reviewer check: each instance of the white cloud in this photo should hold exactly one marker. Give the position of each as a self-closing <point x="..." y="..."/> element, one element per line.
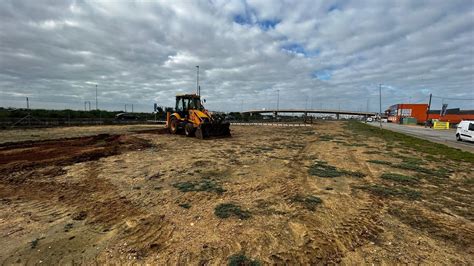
<point x="142" y="52"/>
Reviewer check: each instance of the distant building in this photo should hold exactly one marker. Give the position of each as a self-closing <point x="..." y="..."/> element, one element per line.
<point x="397" y="112"/>
<point x="453" y="116"/>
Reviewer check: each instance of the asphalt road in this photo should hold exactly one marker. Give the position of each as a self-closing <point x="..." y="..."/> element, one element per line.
<point x="446" y="137"/>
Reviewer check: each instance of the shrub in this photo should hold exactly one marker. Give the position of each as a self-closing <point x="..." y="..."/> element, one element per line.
<point x="399" y="178"/>
<point x="226" y="210"/>
<point x="242" y="260"/>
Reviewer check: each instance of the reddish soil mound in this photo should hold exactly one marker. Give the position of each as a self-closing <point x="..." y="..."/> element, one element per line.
<point x="27" y="155"/>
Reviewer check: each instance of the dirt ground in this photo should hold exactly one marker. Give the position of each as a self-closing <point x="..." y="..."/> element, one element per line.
<point x="273" y="195"/>
<point x="21" y="134"/>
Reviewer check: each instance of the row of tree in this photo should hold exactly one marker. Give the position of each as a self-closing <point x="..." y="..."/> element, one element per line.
<point x="14" y="113"/>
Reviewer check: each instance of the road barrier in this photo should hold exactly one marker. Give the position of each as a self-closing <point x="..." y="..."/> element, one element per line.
<point x="272" y="124"/>
<point x="441" y="125"/>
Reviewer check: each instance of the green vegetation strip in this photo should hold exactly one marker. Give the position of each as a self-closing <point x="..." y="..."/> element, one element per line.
<point x="200" y="185"/>
<point x="379" y="162"/>
<point x="226" y="210"/>
<point x="323" y="169"/>
<point x="309" y="202"/>
<point x="413" y="164"/>
<point x="325" y="137"/>
<point x="410" y="142"/>
<point x="440" y="172"/>
<point x="383" y="191"/>
<point x="185" y="205"/>
<point x="241" y="259"/>
<point x="399" y="178"/>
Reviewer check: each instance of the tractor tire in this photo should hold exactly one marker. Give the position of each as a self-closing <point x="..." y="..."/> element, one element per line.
<point x="199" y="134"/>
<point x="189" y="130"/>
<point x="173" y="125"/>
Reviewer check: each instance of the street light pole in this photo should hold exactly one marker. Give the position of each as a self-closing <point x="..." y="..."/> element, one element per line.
<point x="278" y="100"/>
<point x="380" y="105"/>
<point x="197" y="82"/>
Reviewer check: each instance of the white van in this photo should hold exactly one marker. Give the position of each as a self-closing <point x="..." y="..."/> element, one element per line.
<point x="465" y="131"/>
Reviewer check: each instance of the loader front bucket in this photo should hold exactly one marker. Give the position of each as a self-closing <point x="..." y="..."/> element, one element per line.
<point x="206" y="130"/>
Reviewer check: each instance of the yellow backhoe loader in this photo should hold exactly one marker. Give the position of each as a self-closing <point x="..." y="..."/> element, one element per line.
<point x="190" y="116"/>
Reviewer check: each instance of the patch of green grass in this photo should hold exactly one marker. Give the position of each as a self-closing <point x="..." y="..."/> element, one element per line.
<point x="325" y="138"/>
<point x="383" y="191"/>
<point x="399" y="178"/>
<point x="226" y="210"/>
<point x="417" y="220"/>
<point x="264" y="149"/>
<point x="372" y="152"/>
<point x="185" y="205"/>
<point x="356" y="145"/>
<point x="34" y="242"/>
<point x="309" y="202"/>
<point x="323" y="169"/>
<point x="469" y="181"/>
<point x="355" y="174"/>
<point x="200" y="185"/>
<point x="379" y="162"/>
<point x="411" y="143"/>
<point x="214" y="173"/>
<point x="68" y="227"/>
<point x="415" y="165"/>
<point x="411" y="160"/>
<point x="242" y="260"/>
<point x="411" y="166"/>
<point x="309" y="133"/>
<point x="431" y="158"/>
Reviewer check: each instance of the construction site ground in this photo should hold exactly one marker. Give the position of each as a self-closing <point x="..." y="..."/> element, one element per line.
<point x="329" y="193"/>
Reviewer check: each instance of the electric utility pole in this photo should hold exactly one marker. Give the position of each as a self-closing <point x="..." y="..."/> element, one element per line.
<point x="428" y="111"/>
<point x="380" y="105"/>
<point x="96" y="102"/>
<point x="367" y="111"/>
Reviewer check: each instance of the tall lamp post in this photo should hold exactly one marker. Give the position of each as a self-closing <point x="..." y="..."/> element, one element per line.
<point x="380" y="105"/>
<point x="197" y="81"/>
<point x="278" y="100"/>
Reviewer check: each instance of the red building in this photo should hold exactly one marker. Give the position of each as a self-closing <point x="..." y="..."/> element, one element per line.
<point x="420" y="112"/>
<point x="453" y="116"/>
<point x="396" y="112"/>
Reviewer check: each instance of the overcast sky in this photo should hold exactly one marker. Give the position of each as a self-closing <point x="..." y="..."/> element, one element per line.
<point x="329" y="54"/>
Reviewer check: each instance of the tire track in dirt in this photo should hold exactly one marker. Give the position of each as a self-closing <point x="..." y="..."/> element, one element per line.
<point x="352" y="229"/>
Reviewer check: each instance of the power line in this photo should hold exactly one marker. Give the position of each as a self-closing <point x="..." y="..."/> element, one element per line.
<point x="454" y="99"/>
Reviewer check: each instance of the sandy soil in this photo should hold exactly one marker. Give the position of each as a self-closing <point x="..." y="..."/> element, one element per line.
<point x="126" y="199"/>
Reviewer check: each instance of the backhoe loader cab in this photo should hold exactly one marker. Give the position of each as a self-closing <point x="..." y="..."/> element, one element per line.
<point x="191" y="117"/>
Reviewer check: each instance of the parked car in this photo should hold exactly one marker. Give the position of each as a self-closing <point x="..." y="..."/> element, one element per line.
<point x="465" y="131"/>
